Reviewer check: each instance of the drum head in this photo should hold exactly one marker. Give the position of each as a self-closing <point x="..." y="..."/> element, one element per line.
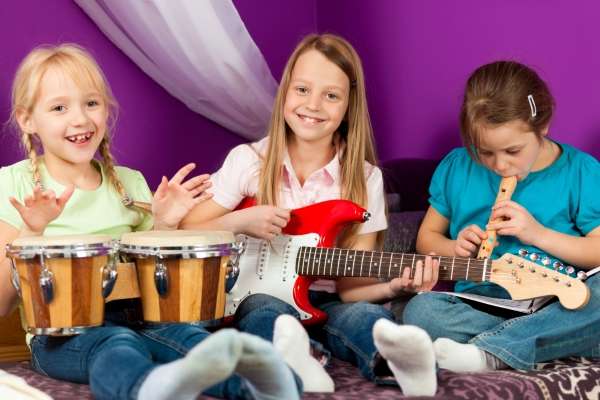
<point x="180" y="242"/>
<point x="62" y="246"/>
<point x="62" y="240"/>
<point x="179" y="238"/>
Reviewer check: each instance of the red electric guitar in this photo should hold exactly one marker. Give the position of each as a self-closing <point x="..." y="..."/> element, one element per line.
<point x="286" y="266"/>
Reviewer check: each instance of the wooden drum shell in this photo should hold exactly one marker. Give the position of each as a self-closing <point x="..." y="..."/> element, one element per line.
<point x="77" y="301"/>
<point x="196" y="289"/>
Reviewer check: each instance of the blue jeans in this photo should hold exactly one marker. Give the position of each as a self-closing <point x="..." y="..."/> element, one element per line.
<point x="347" y="332"/>
<point x="521" y="342"/>
<point x="116" y="358"/>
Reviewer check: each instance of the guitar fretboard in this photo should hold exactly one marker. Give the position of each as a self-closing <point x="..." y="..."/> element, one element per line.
<point x="333" y="262"/>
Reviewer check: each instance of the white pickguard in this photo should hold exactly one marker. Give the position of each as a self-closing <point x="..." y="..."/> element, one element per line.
<point x="269" y="268"/>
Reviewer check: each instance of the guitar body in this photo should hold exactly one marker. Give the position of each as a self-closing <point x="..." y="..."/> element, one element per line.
<point x="270" y="267"/>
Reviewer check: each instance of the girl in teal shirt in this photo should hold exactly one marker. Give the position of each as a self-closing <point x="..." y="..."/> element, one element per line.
<point x="554" y="211"/>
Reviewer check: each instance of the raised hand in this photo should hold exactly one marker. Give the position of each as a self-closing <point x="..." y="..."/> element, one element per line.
<point x="424" y="279"/>
<point x="468" y="241"/>
<point x="263" y="222"/>
<point x="41" y="208"/>
<point x="175" y="198"/>
<point x="516" y="221"/>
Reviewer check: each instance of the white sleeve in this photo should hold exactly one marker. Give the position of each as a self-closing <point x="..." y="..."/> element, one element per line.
<point x="376" y="203"/>
<point x="237" y="177"/>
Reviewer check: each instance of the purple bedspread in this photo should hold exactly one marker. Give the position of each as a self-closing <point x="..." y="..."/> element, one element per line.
<point x="573" y="378"/>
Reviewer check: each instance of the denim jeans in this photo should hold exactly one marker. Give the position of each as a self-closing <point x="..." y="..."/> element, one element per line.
<point x="347" y="332"/>
<point x="550" y="333"/>
<point x="116" y="358"/>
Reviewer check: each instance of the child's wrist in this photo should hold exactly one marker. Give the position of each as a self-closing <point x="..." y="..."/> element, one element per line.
<point x="161" y="226"/>
<point x="28" y="232"/>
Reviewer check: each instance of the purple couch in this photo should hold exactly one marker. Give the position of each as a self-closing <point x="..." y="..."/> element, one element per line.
<point x="406" y="183"/>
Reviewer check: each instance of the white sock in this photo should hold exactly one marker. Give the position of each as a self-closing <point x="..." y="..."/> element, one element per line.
<point x="209" y="362"/>
<point x="459" y="357"/>
<point x="409" y="354"/>
<point x="291" y="341"/>
<point x="265" y="369"/>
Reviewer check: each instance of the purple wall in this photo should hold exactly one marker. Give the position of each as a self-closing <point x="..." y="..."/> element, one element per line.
<point x="417" y="55"/>
<point x="155" y="133"/>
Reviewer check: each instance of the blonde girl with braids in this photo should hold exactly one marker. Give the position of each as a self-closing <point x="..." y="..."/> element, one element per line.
<point x="63" y="108"/>
<point x="319" y="147"/>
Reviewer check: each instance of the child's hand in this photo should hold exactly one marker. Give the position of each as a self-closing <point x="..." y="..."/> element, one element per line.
<point x="468" y="241"/>
<point x="174" y="199"/>
<point x="41" y="208"/>
<point x="424" y="279"/>
<point x="263" y="222"/>
<point x="515" y="220"/>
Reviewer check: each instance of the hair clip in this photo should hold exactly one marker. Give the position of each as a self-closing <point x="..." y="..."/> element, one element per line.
<point x="532" y="105"/>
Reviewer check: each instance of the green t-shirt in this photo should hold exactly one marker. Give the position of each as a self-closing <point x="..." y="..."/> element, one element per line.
<point x="98" y="211"/>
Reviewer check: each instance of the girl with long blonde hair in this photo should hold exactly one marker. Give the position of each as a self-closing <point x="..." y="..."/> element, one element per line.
<point x="319" y="147"/>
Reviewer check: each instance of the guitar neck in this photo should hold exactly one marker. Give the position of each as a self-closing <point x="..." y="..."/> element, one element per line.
<point x="333" y="262"/>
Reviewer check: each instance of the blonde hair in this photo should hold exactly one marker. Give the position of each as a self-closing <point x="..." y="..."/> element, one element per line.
<point x="80" y="66"/>
<point x="355" y="133"/>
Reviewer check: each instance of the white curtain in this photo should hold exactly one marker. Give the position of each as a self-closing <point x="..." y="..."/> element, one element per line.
<point x="199" y="51"/>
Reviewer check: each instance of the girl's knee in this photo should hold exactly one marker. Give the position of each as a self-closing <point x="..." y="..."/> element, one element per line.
<point x="425" y="309"/>
<point x="265" y="303"/>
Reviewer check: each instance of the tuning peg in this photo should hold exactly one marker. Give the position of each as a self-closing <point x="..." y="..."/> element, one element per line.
<point x="523" y="252"/>
<point x="557" y="265"/>
<point x="534" y="256"/>
<point x="546" y="261"/>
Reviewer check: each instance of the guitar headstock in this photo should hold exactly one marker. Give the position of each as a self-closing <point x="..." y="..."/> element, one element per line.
<point x="525" y="279"/>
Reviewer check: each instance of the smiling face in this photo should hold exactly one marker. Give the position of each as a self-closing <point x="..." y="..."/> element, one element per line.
<point x="317" y="98"/>
<point x="510" y="149"/>
<point x="69" y="120"/>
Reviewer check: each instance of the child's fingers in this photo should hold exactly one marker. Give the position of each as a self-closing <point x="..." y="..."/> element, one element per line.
<point x="200" y="180"/>
<point x="161" y="190"/>
<point x="65" y="196"/>
<point x="28" y="201"/>
<point x="472" y="237"/>
<point x="283" y="213"/>
<point x="203" y="197"/>
<point x="182" y="173"/>
<point x="16" y="204"/>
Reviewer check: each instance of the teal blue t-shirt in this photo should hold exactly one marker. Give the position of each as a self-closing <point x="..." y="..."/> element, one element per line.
<point x="564" y="196"/>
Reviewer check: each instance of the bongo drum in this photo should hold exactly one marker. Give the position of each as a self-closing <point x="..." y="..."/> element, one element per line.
<point x="181" y="274"/>
<point x="63" y="281"/>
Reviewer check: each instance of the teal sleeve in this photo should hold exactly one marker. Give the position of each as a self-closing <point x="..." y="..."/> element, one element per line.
<point x="588" y="215"/>
<point x="439" y="196"/>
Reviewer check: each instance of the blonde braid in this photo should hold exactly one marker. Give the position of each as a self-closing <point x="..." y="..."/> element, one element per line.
<point x="33" y="158"/>
<point x="111" y="172"/>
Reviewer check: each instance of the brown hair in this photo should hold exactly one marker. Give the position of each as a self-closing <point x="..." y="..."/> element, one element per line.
<point x="355" y="133"/>
<point x="498" y="93"/>
<point x="78" y="64"/>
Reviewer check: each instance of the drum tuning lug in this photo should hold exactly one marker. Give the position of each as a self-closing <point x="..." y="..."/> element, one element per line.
<point x="109" y="272"/>
<point x="46" y="281"/>
<point x="161" y="278"/>
<point x="47" y="286"/>
<point x="523" y="252"/>
<point x="232" y="270"/>
<point x="14" y="277"/>
<point x="581" y="275"/>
